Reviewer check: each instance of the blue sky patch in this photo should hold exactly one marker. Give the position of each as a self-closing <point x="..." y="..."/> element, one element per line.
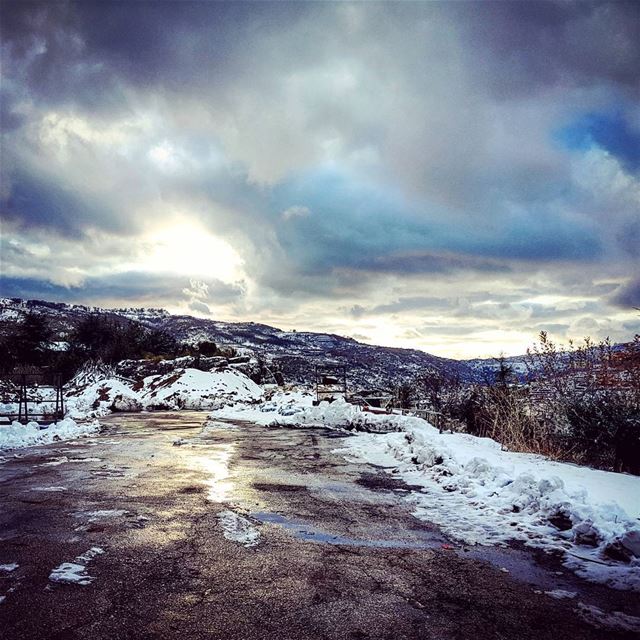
<point x="609" y="131"/>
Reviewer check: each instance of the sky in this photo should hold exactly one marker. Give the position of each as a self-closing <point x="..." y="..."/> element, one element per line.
<point x="454" y="177"/>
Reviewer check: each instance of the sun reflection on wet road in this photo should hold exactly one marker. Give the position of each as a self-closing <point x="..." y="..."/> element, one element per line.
<point x="216" y="466"/>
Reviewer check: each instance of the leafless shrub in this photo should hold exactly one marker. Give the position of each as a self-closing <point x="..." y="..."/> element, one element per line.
<point x="580" y="404"/>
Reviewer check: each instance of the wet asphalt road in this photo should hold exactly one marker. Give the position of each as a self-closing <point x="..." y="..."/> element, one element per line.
<point x="340" y="555"/>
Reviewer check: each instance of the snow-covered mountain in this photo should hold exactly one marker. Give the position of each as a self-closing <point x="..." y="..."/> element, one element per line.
<point x="295" y="353"/>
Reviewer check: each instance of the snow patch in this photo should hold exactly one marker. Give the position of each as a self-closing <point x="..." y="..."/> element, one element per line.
<point x="196" y="390"/>
<point x="76" y="572"/>
<point x="71" y="573"/>
<point x="8" y="568"/>
<point x="238" y="529"/>
<point x="101" y="397"/>
<point x="101" y="514"/>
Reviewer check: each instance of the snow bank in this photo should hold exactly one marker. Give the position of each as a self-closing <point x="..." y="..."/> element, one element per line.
<point x="295" y="408"/>
<point x="18" y="435"/>
<point x="291" y="407"/>
<point x="480" y="494"/>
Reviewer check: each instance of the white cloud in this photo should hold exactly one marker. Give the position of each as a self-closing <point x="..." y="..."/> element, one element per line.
<point x="296" y="212"/>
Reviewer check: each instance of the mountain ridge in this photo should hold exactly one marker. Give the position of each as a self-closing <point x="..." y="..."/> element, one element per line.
<point x="295" y="353"/>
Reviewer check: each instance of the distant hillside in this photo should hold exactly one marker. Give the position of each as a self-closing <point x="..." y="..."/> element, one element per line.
<point x="486" y="368"/>
<point x="296" y="353"/>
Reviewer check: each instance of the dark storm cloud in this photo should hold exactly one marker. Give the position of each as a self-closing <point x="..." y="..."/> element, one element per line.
<point x="88" y="53"/>
<point x="553" y="42"/>
<point x="38" y="201"/>
<point x="628" y="295"/>
<point x="152" y="43"/>
<point x="371" y="228"/>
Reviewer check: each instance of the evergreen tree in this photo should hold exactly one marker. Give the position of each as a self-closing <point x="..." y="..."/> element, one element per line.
<point x="32" y="340"/>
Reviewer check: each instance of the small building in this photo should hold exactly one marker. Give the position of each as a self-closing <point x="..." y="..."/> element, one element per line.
<point x="330" y="382"/>
<point x="374" y="399"/>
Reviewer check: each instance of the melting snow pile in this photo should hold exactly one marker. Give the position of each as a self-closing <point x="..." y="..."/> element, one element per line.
<point x="195" y="389"/>
<point x="101" y="397"/>
<point x="295" y="408"/>
<point x="482" y="495"/>
<point x="291" y="407"/>
<point x="18" y="435"/>
<point x="180" y="389"/>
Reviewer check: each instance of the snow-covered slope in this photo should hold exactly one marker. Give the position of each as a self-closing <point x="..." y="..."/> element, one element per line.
<point x="486" y="368"/>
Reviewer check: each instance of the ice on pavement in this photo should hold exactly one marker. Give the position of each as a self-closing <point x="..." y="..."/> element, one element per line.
<point x="101" y="514"/>
<point x="49" y="489"/>
<point x="54" y="462"/>
<point x="216" y="465"/>
<point x="561" y="594"/>
<point x="215" y="425"/>
<point x="238" y="529"/>
<point x="76" y="572"/>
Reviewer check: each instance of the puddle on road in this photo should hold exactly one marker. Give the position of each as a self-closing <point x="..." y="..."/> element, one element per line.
<point x="216" y="465"/>
<point x="309" y="533"/>
<point x="519" y="564"/>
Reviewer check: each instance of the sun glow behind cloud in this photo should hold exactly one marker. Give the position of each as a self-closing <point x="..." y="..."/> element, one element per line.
<point x="301" y="166"/>
<point x="187" y="248"/>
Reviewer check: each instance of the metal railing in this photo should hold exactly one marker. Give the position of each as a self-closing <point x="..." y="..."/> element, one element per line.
<point x="44" y="390"/>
